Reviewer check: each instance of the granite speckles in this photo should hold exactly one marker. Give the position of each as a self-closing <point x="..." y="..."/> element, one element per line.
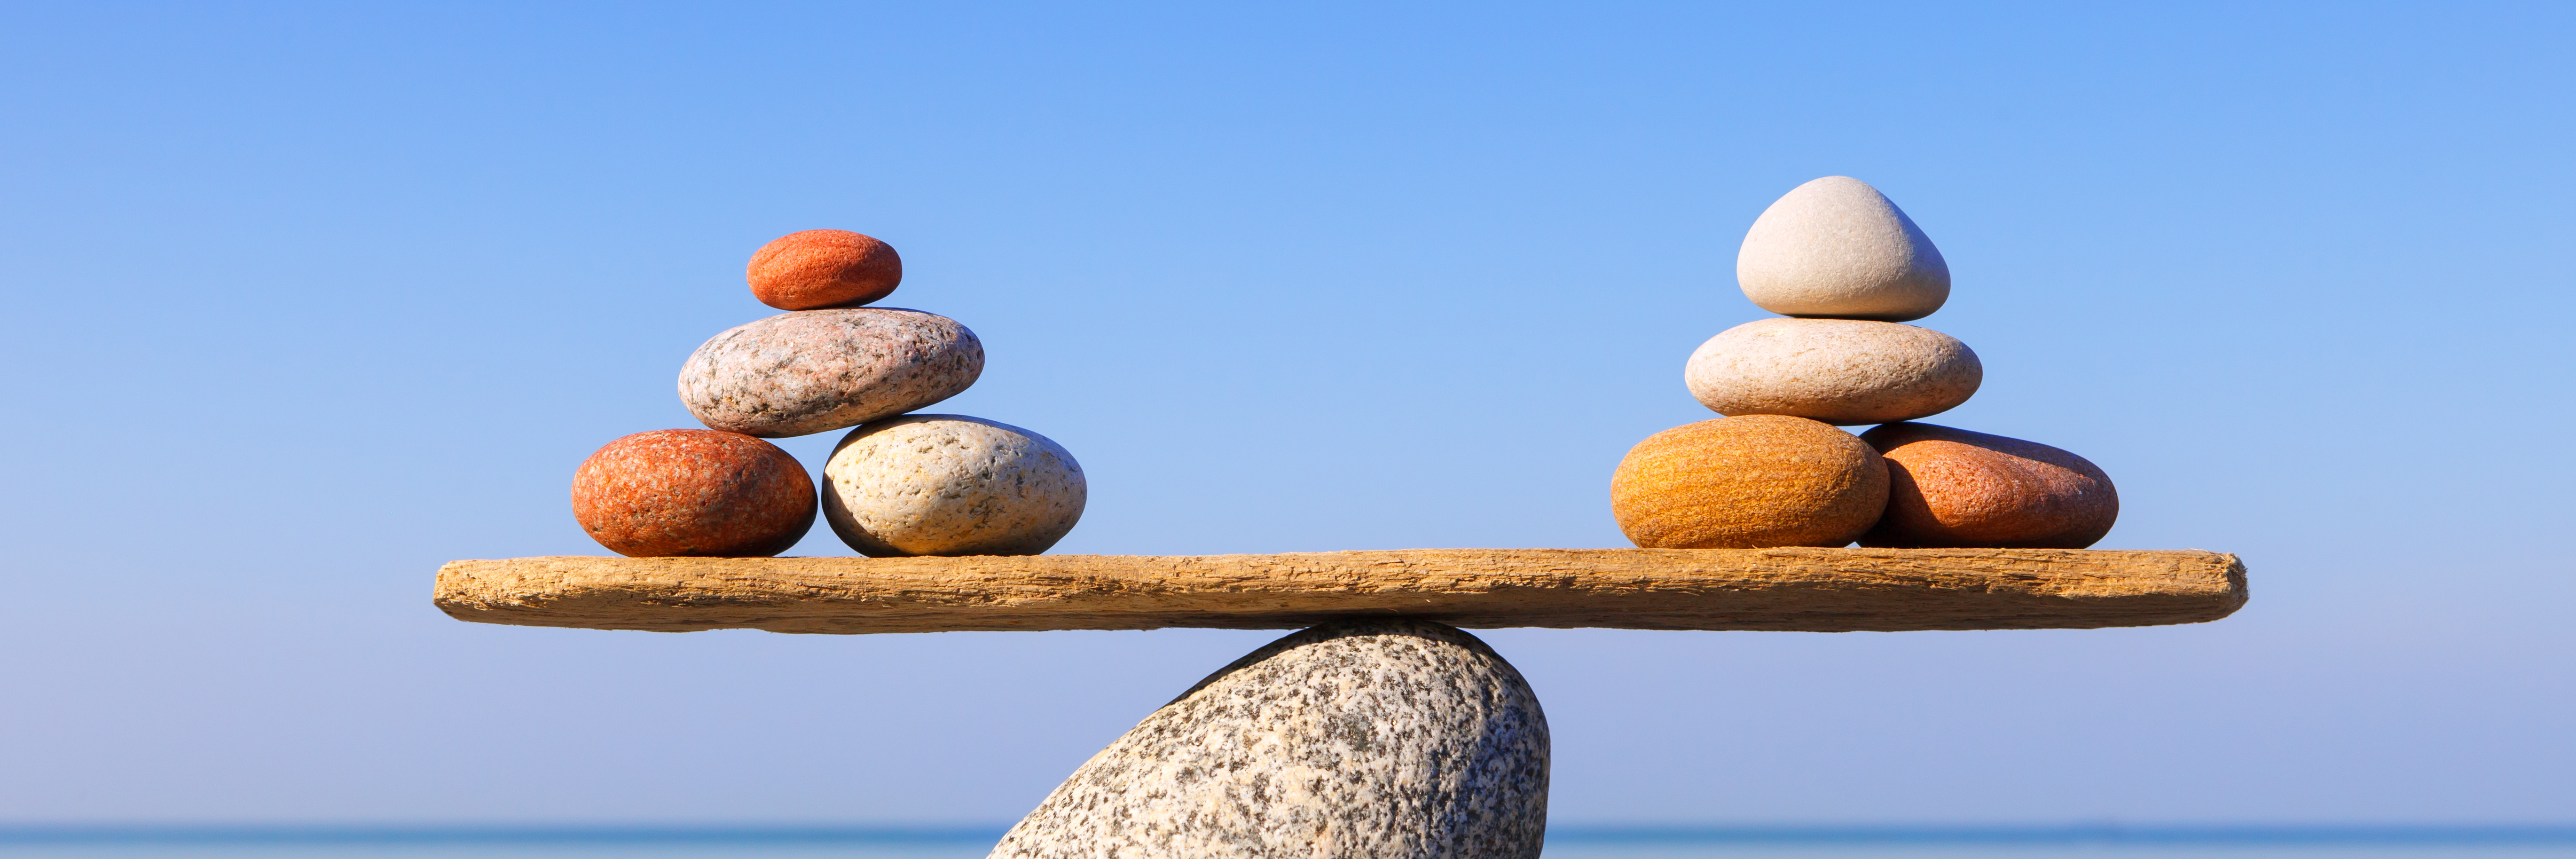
<point x="1956" y="488"/>
<point x="1364" y="739"/>
<point x="951" y="485"/>
<point x="1839" y="371"/>
<point x="683" y="492"/>
<point x="1835" y="247"/>
<point x="817" y="370"/>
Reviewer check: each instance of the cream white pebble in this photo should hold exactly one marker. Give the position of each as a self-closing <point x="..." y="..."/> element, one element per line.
<point x="1839" y="371"/>
<point x="1837" y="248"/>
<point x="950" y="485"/>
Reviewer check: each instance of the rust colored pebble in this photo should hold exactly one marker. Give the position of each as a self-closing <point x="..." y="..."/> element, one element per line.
<point x="1951" y="488"/>
<point x="1749" y="482"/>
<point x="702" y="493"/>
<point x="815" y="269"/>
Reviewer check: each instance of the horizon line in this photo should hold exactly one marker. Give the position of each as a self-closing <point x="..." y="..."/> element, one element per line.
<point x="2203" y="834"/>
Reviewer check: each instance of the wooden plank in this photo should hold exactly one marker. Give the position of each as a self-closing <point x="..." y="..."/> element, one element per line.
<point x="1813" y="590"/>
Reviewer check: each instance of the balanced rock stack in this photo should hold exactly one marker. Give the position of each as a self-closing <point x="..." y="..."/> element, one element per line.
<point x="1846" y="268"/>
<point x="898" y="484"/>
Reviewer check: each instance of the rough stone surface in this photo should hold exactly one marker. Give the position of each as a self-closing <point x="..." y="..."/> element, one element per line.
<point x="1836" y="247"/>
<point x="1955" y="488"/>
<point x="951" y="485"/>
<point x="816" y="269"/>
<point x="1840" y="371"/>
<point x="817" y="370"/>
<point x="693" y="492"/>
<point x="1745" y="483"/>
<point x="1800" y="590"/>
<point x="1362" y="739"/>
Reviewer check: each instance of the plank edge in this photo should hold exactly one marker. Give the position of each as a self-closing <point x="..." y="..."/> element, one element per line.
<point x="2179" y="586"/>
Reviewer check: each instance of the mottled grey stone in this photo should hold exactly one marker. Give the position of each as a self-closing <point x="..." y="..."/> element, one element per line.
<point x="815" y="370"/>
<point x="1382" y="738"/>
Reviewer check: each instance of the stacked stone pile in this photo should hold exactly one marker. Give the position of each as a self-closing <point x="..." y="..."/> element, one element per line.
<point x="898" y="484"/>
<point x="1846" y="268"/>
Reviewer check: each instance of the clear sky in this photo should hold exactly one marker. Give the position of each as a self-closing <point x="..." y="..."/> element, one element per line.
<point x="302" y="301"/>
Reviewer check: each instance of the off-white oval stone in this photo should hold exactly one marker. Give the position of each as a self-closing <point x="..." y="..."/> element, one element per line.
<point x="950" y="485"/>
<point x="1838" y="248"/>
<point x="1839" y="371"/>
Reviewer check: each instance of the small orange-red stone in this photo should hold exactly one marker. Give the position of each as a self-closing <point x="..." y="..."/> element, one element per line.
<point x="1952" y="488"/>
<point x="703" y="493"/>
<point x="815" y="269"/>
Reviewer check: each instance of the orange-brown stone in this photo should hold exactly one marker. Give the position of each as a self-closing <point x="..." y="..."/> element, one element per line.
<point x="815" y="269"/>
<point x="708" y="493"/>
<point x="1951" y="488"/>
<point x="1748" y="482"/>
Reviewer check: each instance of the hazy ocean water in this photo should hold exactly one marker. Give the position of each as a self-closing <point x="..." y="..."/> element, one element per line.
<point x="1554" y="851"/>
<point x="708" y="851"/>
<point x="1565" y="843"/>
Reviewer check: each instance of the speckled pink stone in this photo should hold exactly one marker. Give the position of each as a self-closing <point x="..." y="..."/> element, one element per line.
<point x="1952" y="488"/>
<point x="818" y="370"/>
<point x="701" y="493"/>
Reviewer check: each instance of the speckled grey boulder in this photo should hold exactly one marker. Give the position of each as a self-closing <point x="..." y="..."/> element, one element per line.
<point x="1366" y="739"/>
<point x="817" y="370"/>
<point x="1835" y="247"/>
<point x="1840" y="371"/>
<point x="951" y="485"/>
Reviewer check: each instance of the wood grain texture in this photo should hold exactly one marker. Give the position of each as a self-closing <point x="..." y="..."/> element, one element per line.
<point x="1812" y="590"/>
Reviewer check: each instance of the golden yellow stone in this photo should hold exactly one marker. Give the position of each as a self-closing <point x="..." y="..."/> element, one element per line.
<point x="1749" y="482"/>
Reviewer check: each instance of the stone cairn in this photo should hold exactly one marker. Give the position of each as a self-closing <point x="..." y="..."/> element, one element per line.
<point x="1403" y="738"/>
<point x="899" y="484"/>
<point x="1847" y="268"/>
<point x="1383" y="738"/>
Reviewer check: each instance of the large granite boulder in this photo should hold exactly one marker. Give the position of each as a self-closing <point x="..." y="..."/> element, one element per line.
<point x="1362" y="739"/>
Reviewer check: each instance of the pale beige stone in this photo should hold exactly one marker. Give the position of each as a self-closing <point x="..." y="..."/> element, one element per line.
<point x="1836" y="247"/>
<point x="950" y="485"/>
<point x="1789" y="589"/>
<point x="1839" y="371"/>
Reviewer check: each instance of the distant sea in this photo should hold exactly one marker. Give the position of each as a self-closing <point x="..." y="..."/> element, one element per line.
<point x="1564" y="842"/>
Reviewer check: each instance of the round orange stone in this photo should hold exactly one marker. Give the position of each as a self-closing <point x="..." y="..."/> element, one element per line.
<point x="702" y="493"/>
<point x="1748" y="482"/>
<point x="816" y="269"/>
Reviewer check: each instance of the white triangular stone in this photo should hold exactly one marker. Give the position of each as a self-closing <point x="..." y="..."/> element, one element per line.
<point x="1837" y="248"/>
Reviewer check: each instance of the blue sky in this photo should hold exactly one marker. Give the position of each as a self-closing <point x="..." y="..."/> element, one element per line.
<point x="303" y="301"/>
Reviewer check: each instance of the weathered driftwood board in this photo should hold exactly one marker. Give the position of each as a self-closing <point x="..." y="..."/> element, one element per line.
<point x="1813" y="590"/>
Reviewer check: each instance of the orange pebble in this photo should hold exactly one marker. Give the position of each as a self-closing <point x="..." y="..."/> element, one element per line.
<point x="1955" y="488"/>
<point x="1748" y="482"/>
<point x="816" y="269"/>
<point x="704" y="493"/>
